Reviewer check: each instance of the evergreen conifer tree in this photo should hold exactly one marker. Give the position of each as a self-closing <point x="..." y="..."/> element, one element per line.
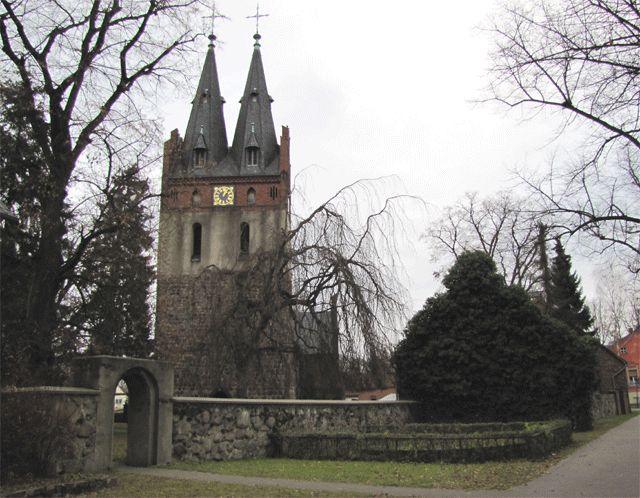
<point x="23" y="184"/>
<point x="117" y="274"/>
<point x="566" y="302"/>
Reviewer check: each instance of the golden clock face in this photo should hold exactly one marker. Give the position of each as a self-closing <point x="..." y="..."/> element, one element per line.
<point x="223" y="196"/>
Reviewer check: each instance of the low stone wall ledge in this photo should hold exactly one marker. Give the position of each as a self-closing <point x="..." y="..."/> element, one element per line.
<point x="281" y="402"/>
<point x="77" y="391"/>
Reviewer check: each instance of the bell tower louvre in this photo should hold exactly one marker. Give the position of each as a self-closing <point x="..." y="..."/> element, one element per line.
<point x="221" y="207"/>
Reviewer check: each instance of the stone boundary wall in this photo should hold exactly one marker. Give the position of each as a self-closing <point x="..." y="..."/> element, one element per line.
<point x="603" y="405"/>
<point x="52" y="429"/>
<point x="228" y="429"/>
<point x="451" y="443"/>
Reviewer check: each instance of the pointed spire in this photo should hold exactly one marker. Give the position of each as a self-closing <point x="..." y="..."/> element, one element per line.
<point x="206" y="122"/>
<point x="255" y="128"/>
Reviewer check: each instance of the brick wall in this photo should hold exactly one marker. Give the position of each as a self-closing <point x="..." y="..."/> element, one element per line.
<point x="180" y="192"/>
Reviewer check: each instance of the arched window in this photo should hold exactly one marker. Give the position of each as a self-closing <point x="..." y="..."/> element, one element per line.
<point x="244" y="238"/>
<point x="251" y="196"/>
<point x="197" y="242"/>
<point x="195" y="198"/>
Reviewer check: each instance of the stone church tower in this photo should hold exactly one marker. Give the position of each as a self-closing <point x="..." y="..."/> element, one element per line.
<point x="221" y="207"/>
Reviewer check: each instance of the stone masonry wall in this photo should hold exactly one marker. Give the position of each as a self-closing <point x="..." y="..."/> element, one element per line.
<point x="603" y="405"/>
<point x="611" y="371"/>
<point x="228" y="429"/>
<point x="51" y="428"/>
<point x="207" y="358"/>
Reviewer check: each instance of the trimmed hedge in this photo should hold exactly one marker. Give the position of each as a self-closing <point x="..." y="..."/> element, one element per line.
<point x="430" y="443"/>
<point x="453" y="428"/>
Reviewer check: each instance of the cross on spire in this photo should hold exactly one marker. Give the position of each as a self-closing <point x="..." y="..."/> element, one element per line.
<point x="257" y="16"/>
<point x="214" y="14"/>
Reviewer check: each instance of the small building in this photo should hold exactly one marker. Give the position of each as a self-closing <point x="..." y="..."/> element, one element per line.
<point x="628" y="348"/>
<point x="384" y="394"/>
<point x="120" y="398"/>
<point x="613" y="379"/>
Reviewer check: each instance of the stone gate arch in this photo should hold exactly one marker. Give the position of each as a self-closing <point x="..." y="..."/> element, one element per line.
<point x="150" y="409"/>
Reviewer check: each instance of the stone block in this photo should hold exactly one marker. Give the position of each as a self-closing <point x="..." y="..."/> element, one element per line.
<point x="243" y="419"/>
<point x="204" y="417"/>
<point x="182" y="427"/>
<point x="85" y="430"/>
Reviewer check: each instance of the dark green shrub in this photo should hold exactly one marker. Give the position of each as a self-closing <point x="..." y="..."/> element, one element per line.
<point x="482" y="351"/>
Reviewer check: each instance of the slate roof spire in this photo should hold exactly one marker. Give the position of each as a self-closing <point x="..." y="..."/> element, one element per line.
<point x="255" y="131"/>
<point x="206" y="129"/>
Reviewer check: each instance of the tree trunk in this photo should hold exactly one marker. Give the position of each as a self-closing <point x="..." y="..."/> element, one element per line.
<point x="41" y="319"/>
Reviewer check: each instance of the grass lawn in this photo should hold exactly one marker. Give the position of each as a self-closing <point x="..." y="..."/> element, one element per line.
<point x="493" y="475"/>
<point x="130" y="485"/>
<point x="490" y="475"/>
<point x="119" y="442"/>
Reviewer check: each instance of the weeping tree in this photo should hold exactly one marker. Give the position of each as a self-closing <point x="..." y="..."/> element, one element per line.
<point x="80" y="70"/>
<point x="347" y="262"/>
<point x="331" y="286"/>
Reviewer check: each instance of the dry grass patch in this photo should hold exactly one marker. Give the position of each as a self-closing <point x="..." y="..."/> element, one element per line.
<point x="132" y="486"/>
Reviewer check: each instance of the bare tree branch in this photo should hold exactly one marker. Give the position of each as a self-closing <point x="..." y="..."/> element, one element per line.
<point x="580" y="57"/>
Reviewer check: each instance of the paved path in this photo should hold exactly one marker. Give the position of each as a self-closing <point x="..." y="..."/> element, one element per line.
<point x="606" y="467"/>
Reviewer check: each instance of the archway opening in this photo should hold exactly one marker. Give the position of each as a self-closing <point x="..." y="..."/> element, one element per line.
<point x="120" y="425"/>
<point x="136" y="441"/>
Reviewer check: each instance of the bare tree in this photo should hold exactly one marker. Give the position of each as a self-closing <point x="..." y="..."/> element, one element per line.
<point x="81" y="68"/>
<point x="581" y="58"/>
<point x="500" y="226"/>
<point x="616" y="307"/>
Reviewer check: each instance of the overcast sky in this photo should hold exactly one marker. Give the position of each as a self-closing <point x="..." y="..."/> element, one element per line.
<point x="371" y="88"/>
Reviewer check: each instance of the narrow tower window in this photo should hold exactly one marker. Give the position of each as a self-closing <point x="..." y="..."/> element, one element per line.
<point x="251" y="196"/>
<point x="200" y="150"/>
<point x="195" y="198"/>
<point x="197" y="242"/>
<point x="252" y="156"/>
<point x="244" y="238"/>
<point x="199" y="158"/>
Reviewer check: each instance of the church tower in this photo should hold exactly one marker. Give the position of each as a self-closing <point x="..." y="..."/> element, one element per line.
<point x="222" y="207"/>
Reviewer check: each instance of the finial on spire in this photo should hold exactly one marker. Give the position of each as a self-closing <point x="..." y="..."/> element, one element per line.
<point x="214" y="14"/>
<point x="257" y="17"/>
